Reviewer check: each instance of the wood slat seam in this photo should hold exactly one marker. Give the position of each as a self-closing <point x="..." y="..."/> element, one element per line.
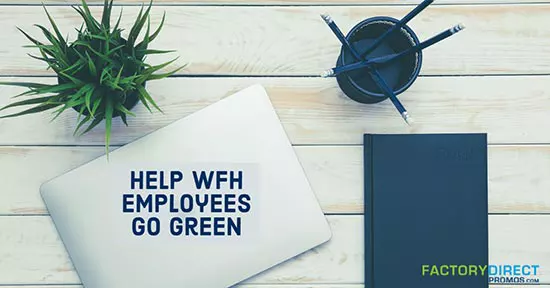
<point x="269" y="285"/>
<point x="38" y="146"/>
<point x="258" y="3"/>
<point x="511" y="242"/>
<point x="259" y="47"/>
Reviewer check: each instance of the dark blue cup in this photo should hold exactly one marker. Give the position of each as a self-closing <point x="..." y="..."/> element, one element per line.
<point x="399" y="75"/>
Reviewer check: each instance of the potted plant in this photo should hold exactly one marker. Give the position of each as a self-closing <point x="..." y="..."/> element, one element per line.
<point x="101" y="74"/>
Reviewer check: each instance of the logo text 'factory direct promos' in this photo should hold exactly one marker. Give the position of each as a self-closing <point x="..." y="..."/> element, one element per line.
<point x="508" y="273"/>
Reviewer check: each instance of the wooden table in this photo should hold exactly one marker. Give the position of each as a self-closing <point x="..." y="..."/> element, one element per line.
<point x="494" y="77"/>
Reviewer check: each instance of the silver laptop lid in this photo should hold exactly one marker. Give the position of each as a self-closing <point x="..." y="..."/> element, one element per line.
<point x="268" y="212"/>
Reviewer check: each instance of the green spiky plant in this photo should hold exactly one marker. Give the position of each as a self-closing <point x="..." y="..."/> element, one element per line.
<point x="101" y="75"/>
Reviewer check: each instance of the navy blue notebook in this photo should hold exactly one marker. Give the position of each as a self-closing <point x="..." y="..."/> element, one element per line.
<point x="426" y="212"/>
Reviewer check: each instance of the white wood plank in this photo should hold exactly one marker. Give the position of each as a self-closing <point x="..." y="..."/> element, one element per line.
<point x="268" y="2"/>
<point x="273" y="286"/>
<point x="241" y="286"/>
<point x="500" y="39"/>
<point x="238" y="286"/>
<point x="33" y="254"/>
<point x="518" y="176"/>
<point x="315" y="111"/>
<point x="518" y="179"/>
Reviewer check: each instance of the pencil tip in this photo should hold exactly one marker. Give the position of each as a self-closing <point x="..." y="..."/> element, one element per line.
<point x="408" y="119"/>
<point x="458" y="27"/>
<point x="327" y="73"/>
<point x="326" y="17"/>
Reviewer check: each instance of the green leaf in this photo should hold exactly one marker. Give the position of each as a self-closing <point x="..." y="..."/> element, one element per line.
<point x="99" y="54"/>
<point x="157" y="32"/>
<point x="98" y="37"/>
<point x="92" y="125"/>
<point x="88" y="14"/>
<point x="75" y="100"/>
<point x="138" y="25"/>
<point x="78" y="64"/>
<point x="27" y="93"/>
<point x="58" y="112"/>
<point x="124" y="120"/>
<point x="79" y="30"/>
<point x="90" y="22"/>
<point x="118" y="21"/>
<point x="97" y="102"/>
<point x="30" y="102"/>
<point x="129" y="83"/>
<point x="131" y="36"/>
<point x="148" y="97"/>
<point x="117" y="79"/>
<point x="156" y="68"/>
<point x="108" y="123"/>
<point x="50" y="61"/>
<point x="52" y="38"/>
<point x="57" y="49"/>
<point x="72" y="79"/>
<point x="36" y="42"/>
<point x="150" y="52"/>
<point x="115" y="50"/>
<point x="54" y="88"/>
<point x="25" y="84"/>
<point x="145" y="42"/>
<point x="91" y="65"/>
<point x="124" y="110"/>
<point x="164" y="75"/>
<point x="36" y="109"/>
<point x="80" y="93"/>
<point x="81" y="123"/>
<point x="144" y="101"/>
<point x="106" y="18"/>
<point x="88" y="99"/>
<point x="80" y="113"/>
<point x="48" y="35"/>
<point x="56" y="30"/>
<point x="46" y="51"/>
<point x="149" y="71"/>
<point x="104" y="75"/>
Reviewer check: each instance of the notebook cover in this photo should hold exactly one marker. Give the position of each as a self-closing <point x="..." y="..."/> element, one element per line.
<point x="426" y="210"/>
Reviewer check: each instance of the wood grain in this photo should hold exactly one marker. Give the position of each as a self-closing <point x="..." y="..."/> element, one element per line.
<point x="218" y="40"/>
<point x="271" y="286"/>
<point x="268" y="2"/>
<point x="518" y="176"/>
<point x="242" y="286"/>
<point x="315" y="111"/>
<point x="33" y="254"/>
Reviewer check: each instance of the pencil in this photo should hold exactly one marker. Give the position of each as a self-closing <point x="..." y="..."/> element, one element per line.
<point x="392" y="57"/>
<point x="397" y="26"/>
<point x="332" y="25"/>
<point x="436" y="39"/>
<point x="379" y="80"/>
<point x="353" y="66"/>
<point x="374" y="74"/>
